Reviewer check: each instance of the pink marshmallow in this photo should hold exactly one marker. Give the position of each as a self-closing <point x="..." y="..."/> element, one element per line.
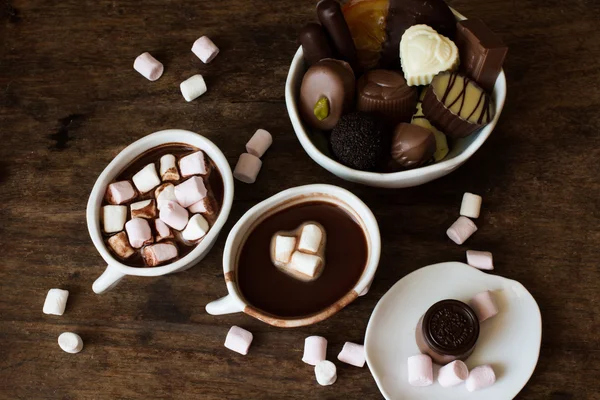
<point x="205" y="206"/>
<point x="190" y="191"/>
<point x="353" y="354"/>
<point x="461" y="230"/>
<point x="315" y="350"/>
<point x="480" y="259"/>
<point x="159" y="253"/>
<point x="452" y="374"/>
<point x="120" y="192"/>
<point x="484" y="305"/>
<point x="420" y="370"/>
<point x="205" y="49"/>
<point x="247" y="168"/>
<point x="480" y="378"/>
<point x="162" y="230"/>
<point x="174" y="215"/>
<point x="193" y="164"/>
<point x="139" y="233"/>
<point x="259" y="143"/>
<point x="238" y="340"/>
<point x="148" y="66"/>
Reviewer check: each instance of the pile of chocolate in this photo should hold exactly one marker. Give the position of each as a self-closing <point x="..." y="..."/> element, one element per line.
<point x="422" y="78"/>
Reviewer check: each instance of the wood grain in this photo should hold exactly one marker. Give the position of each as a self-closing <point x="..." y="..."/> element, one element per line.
<point x="70" y="101"/>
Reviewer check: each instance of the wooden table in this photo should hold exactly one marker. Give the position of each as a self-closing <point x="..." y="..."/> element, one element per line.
<point x="70" y="101"/>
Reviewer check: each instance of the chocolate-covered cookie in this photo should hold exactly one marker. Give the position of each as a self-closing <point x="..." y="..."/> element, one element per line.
<point x="412" y="146"/>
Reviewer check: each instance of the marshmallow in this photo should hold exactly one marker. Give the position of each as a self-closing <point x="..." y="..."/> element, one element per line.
<point x="168" y="168"/>
<point x="146" y="179"/>
<point x="205" y="49"/>
<point x="204" y="206"/>
<point x="148" y="66"/>
<point x="306" y="264"/>
<point x="311" y="239"/>
<point x="480" y="259"/>
<point x="196" y="228"/>
<point x="353" y="354"/>
<point x="120" y="192"/>
<point x="484" y="305"/>
<point x="238" y="340"/>
<point x="56" y="301"/>
<point x="193" y="87"/>
<point x="452" y="374"/>
<point x="259" y="143"/>
<point x="190" y="191"/>
<point x="120" y="245"/>
<point x="174" y="215"/>
<point x="139" y="233"/>
<point x="315" y="349"/>
<point x="143" y="209"/>
<point x="420" y="370"/>
<point x="284" y="247"/>
<point x="164" y="193"/>
<point x="162" y="230"/>
<point x="114" y="218"/>
<point x="326" y="373"/>
<point x="159" y="253"/>
<point x="247" y="168"/>
<point x="70" y="342"/>
<point x="193" y="164"/>
<point x="480" y="378"/>
<point x="471" y="205"/>
<point x="461" y="230"/>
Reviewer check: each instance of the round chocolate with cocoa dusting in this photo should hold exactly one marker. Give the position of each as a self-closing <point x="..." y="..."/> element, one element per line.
<point x="412" y="146"/>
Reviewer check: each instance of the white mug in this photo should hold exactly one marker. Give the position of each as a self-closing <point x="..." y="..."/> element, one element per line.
<point x="234" y="301"/>
<point x="116" y="270"/>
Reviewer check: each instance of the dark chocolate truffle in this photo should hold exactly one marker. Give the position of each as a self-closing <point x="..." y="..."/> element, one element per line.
<point x="412" y="145"/>
<point x="359" y="141"/>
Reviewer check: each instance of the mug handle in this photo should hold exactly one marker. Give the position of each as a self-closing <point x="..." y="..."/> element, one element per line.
<point x="108" y="280"/>
<point x="225" y="305"/>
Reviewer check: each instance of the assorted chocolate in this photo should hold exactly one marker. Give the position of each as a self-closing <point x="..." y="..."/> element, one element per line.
<point x="390" y="80"/>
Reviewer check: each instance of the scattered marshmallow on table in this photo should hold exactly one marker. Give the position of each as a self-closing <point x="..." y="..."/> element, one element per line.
<point x="196" y="228"/>
<point x="120" y="192"/>
<point x="148" y="66"/>
<point x="113" y="218"/>
<point x="353" y="354"/>
<point x="56" y="301"/>
<point x="247" y="168"/>
<point x="159" y="253"/>
<point x="284" y="247"/>
<point x="461" y="230"/>
<point x="120" y="245"/>
<point x="193" y="164"/>
<point x="420" y="370"/>
<point x="315" y="349"/>
<point x="238" y="339"/>
<point x="453" y="374"/>
<point x="70" y="342"/>
<point x="164" y="193"/>
<point x="480" y="259"/>
<point x="326" y="373"/>
<point x="484" y="305"/>
<point x="191" y="191"/>
<point x="259" y="143"/>
<point x="205" y="49"/>
<point x="193" y="87"/>
<point x="306" y="264"/>
<point x="204" y="206"/>
<point x="311" y="238"/>
<point x="480" y="378"/>
<point x="168" y="168"/>
<point x="162" y="230"/>
<point x="139" y="232"/>
<point x="146" y="179"/>
<point x="143" y="209"/>
<point x="174" y="215"/>
<point x="471" y="205"/>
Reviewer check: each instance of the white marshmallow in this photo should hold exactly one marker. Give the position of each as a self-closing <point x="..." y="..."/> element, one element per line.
<point x="284" y="247"/>
<point x="204" y="206"/>
<point x="205" y="49"/>
<point x="146" y="179"/>
<point x="480" y="378"/>
<point x="420" y="370"/>
<point x="196" y="228"/>
<point x="148" y="66"/>
<point x="168" y="168"/>
<point x="259" y="143"/>
<point x="193" y="87"/>
<point x="159" y="253"/>
<point x="480" y="259"/>
<point x="193" y="164"/>
<point x="484" y="305"/>
<point x="56" y="301"/>
<point x="120" y="192"/>
<point x="191" y="191"/>
<point x="143" y="209"/>
<point x="114" y="218"/>
<point x="471" y="205"/>
<point x="164" y="193"/>
<point x="461" y="230"/>
<point x="138" y="232"/>
<point x="353" y="354"/>
<point x="453" y="374"/>
<point x="120" y="245"/>
<point x="311" y="238"/>
<point x="306" y="264"/>
<point x="326" y="373"/>
<point x="238" y="340"/>
<point x="315" y="349"/>
<point x="70" y="342"/>
<point x="247" y="168"/>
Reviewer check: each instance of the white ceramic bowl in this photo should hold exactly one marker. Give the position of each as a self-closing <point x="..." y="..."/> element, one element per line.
<point x="315" y="143"/>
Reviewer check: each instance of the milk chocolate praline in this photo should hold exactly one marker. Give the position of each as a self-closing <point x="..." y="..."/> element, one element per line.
<point x="326" y="93"/>
<point x="412" y="146"/>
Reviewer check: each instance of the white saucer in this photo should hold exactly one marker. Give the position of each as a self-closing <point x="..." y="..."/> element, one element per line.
<point x="510" y="341"/>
